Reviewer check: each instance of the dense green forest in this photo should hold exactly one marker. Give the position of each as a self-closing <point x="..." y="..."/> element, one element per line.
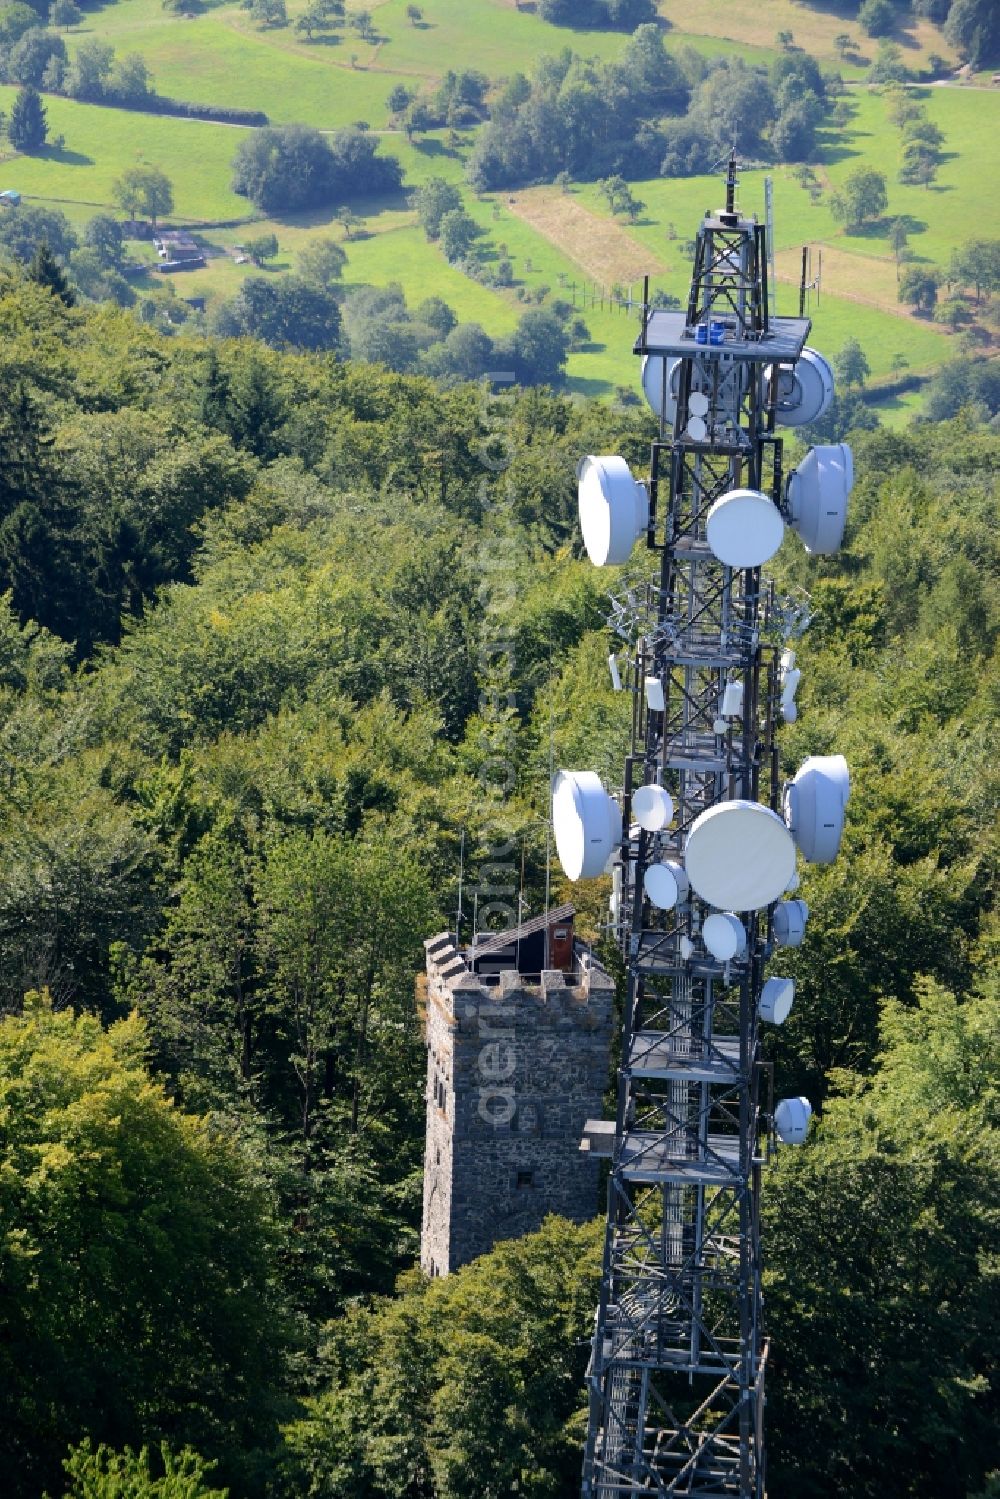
<point x="277" y="631"/>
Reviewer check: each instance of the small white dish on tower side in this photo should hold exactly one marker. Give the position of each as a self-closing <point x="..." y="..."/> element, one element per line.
<point x="744" y="528"/>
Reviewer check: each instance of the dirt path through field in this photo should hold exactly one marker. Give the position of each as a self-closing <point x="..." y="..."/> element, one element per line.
<point x="599" y="246"/>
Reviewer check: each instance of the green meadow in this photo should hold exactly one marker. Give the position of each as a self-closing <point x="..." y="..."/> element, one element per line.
<point x="101" y="143"/>
<point x="222" y="57"/>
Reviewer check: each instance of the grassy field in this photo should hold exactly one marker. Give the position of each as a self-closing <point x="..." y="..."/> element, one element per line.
<point x="961" y="203"/>
<point x="101" y="143"/>
<point x="602" y="248"/>
<point x="756" y="22"/>
<point x="565" y="244"/>
<point x="223" y="57"/>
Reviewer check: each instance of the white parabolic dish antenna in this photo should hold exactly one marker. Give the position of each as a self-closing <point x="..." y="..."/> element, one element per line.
<point x="817" y="497"/>
<point x="652" y="808"/>
<point x="805" y="391"/>
<point x="666" y="884"/>
<point x="614" y="509"/>
<point x="652" y="385"/>
<point x="776" y="1000"/>
<point x="586" y="822"/>
<point x="744" y="528"/>
<point x="789" y="922"/>
<point x="739" y="856"/>
<point x="814" y="806"/>
<point x="791" y="1120"/>
<point x="724" y="935"/>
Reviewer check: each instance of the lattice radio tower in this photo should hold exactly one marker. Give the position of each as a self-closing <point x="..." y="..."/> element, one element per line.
<point x="701" y="841"/>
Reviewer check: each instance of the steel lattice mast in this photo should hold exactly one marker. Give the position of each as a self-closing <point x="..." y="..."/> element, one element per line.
<point x="676" y="1378"/>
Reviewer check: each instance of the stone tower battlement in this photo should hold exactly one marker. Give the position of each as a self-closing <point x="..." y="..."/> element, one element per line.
<point x="517" y="1061"/>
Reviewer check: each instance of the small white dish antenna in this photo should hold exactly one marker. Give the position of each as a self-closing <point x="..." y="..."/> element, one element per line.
<point x="791" y="1120"/>
<point x="789" y="922"/>
<point x="653" y="387"/>
<point x="666" y="885"/>
<point x="744" y="528"/>
<point x="696" y="429"/>
<point x="614" y="509"/>
<point x="586" y="822"/>
<point x="818" y="491"/>
<point x="724" y="935"/>
<point x="776" y="1000"/>
<point x="814" y="805"/>
<point x="719" y="726"/>
<point x="652" y="808"/>
<point x="739" y="856"/>
<point x="698" y="403"/>
<point x="805" y="391"/>
<point x="654" y="694"/>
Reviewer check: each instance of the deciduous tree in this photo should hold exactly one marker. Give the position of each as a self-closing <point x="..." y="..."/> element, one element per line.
<point x="918" y="285"/>
<point x="144" y="190"/>
<point x="863" y="196"/>
<point x="322" y="262"/>
<point x="973" y="29"/>
<point x="432" y="200"/>
<point x="107" y="1185"/>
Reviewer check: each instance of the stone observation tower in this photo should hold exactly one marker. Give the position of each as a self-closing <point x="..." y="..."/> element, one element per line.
<point x="518" y="1033"/>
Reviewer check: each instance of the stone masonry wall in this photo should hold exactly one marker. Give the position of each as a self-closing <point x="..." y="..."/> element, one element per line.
<point x="513" y="1072"/>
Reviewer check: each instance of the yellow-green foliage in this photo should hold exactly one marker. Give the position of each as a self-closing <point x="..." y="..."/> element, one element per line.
<point x="136" y="1250"/>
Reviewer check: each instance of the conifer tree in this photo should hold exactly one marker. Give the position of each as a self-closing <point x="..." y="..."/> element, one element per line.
<point x="28" y="125"/>
<point x="47" y="271"/>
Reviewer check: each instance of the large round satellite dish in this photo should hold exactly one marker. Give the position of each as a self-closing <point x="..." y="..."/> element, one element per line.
<point x="744" y="528"/>
<point x="789" y="922"/>
<point x="776" y="1000"/>
<point x="817" y="497"/>
<point x="662" y="399"/>
<point x="724" y="935"/>
<point x="814" y="805"/>
<point x="614" y="509"/>
<point x="791" y="1120"/>
<point x="586" y="821"/>
<point x="739" y="856"/>
<point x="805" y="391"/>
<point x="652" y="808"/>
<point x="666" y="884"/>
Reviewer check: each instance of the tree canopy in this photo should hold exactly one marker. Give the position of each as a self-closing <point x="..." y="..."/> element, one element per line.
<point x="290" y="167"/>
<point x="250" y="700"/>
<point x="107" y="1186"/>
